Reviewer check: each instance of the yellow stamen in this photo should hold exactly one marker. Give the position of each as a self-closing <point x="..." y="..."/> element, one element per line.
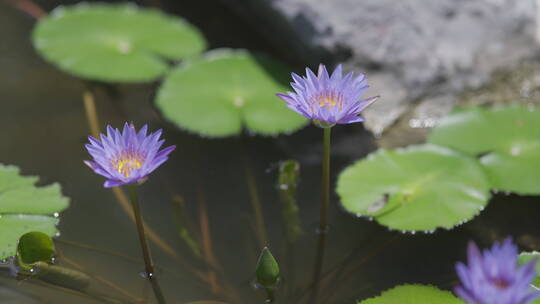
<point x="329" y="100"/>
<point x="127" y="163"/>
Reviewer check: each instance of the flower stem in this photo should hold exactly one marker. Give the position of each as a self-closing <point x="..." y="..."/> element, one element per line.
<point x="149" y="266"/>
<point x="323" y="222"/>
<point x="270" y="296"/>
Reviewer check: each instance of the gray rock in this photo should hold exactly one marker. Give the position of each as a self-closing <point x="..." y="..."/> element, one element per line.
<point x="410" y="48"/>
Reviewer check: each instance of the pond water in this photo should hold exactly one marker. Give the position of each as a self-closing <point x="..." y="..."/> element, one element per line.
<point x="43" y="131"/>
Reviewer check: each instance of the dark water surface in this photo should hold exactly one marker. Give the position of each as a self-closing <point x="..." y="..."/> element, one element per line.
<point x="43" y="129"/>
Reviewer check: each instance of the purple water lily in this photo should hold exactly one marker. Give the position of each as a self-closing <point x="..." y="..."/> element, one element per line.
<point x="328" y="100"/>
<point x="126" y="157"/>
<point x="494" y="277"/>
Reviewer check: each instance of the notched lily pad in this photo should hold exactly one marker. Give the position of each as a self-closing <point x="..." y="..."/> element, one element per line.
<point x="114" y="42"/>
<point x="26" y="208"/>
<point x="225" y="90"/>
<point x="414" y="294"/>
<point x="506" y="139"/>
<point x="419" y="188"/>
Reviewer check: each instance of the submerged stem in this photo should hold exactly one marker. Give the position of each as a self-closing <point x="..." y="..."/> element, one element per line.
<point x="323" y="222"/>
<point x="149" y="266"/>
<point x="260" y="230"/>
<point x="91" y="112"/>
<point x="119" y="194"/>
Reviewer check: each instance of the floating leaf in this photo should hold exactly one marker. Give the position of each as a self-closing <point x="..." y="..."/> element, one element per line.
<point x="526" y="257"/>
<point x="507" y="140"/>
<point x="114" y="42"/>
<point x="225" y="90"/>
<point x="419" y="188"/>
<point x="25" y="208"/>
<point x="34" y="247"/>
<point x="414" y="294"/>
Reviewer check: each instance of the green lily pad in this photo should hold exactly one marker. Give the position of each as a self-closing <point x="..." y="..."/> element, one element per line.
<point x="414" y="294"/>
<point x="26" y="208"/>
<point x="526" y="257"/>
<point x="225" y="90"/>
<point x="507" y="140"/>
<point x="419" y="188"/>
<point x="114" y="42"/>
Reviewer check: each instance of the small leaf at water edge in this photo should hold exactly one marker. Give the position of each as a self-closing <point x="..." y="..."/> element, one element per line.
<point x="419" y="188"/>
<point x="507" y="140"/>
<point x="26" y="208"/>
<point x="114" y="42"/>
<point x="34" y="247"/>
<point x="525" y="257"/>
<point x="414" y="294"/>
<point x="225" y="90"/>
<point x="267" y="270"/>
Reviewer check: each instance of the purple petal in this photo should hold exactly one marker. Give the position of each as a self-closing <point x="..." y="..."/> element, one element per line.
<point x="112" y="183"/>
<point x="138" y="152"/>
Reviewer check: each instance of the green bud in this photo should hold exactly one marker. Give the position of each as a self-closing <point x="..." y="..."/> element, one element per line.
<point x="35" y="247"/>
<point x="267" y="271"/>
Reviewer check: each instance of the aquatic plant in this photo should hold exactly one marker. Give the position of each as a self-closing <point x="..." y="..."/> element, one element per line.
<point x="327" y="100"/>
<point x="26" y="208"/>
<point x="126" y="157"/>
<point x="114" y="42"/>
<point x="493" y="276"/>
<point x="414" y="294"/>
<point x="405" y="189"/>
<point x="267" y="273"/>
<point x="505" y="139"/>
<point x="226" y="91"/>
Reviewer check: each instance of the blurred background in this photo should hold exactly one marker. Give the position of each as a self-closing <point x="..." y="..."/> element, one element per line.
<point x="422" y="57"/>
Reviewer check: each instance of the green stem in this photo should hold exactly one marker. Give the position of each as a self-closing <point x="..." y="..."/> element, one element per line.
<point x="270" y="297"/>
<point x="149" y="266"/>
<point x="323" y="221"/>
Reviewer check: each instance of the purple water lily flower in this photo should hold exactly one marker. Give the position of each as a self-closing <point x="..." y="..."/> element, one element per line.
<point x="494" y="277"/>
<point x="328" y="100"/>
<point x="126" y="157"/>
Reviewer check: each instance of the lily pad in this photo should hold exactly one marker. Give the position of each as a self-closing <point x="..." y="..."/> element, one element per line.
<point x="526" y="257"/>
<point x="414" y="294"/>
<point x="26" y="208"/>
<point x="218" y="94"/>
<point x="419" y="188"/>
<point x="114" y="42"/>
<point x="507" y="140"/>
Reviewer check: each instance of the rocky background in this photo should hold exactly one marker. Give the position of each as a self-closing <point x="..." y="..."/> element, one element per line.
<point x="421" y="56"/>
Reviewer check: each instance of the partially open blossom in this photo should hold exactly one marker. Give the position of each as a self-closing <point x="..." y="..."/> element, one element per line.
<point x="494" y="277"/>
<point x="328" y="100"/>
<point x="126" y="157"/>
